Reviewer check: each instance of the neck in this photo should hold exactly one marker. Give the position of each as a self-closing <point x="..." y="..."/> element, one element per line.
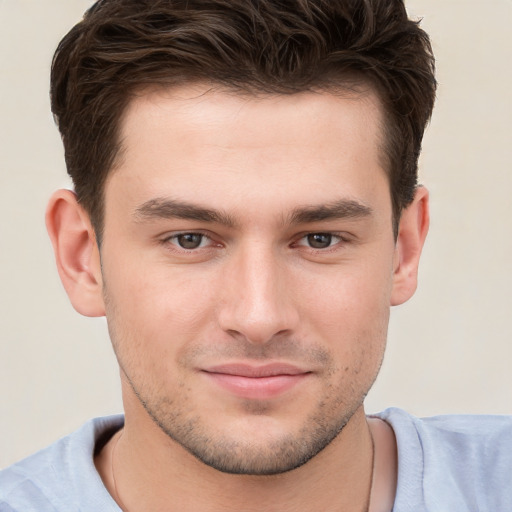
<point x="144" y="469"/>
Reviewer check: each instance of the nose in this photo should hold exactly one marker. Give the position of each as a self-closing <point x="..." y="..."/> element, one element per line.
<point x="256" y="300"/>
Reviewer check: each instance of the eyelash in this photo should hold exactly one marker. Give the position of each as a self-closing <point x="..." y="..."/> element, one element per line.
<point x="341" y="239"/>
<point x="174" y="237"/>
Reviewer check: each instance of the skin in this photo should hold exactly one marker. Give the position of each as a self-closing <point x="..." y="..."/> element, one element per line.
<point x="295" y="264"/>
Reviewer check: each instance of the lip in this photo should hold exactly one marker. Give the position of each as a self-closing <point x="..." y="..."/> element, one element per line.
<point x="256" y="382"/>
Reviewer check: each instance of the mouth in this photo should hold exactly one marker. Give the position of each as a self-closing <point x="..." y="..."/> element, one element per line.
<point x="257" y="382"/>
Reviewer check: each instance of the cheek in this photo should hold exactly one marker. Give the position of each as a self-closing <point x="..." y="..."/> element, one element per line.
<point x="154" y="312"/>
<point x="154" y="292"/>
<point x="355" y="297"/>
<point x="350" y="313"/>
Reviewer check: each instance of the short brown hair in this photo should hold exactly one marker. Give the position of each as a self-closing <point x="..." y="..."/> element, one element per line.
<point x="260" y="46"/>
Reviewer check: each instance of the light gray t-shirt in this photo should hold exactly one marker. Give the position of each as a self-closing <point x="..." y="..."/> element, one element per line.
<point x="445" y="464"/>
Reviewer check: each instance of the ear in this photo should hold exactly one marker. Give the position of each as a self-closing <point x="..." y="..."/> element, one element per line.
<point x="76" y="252"/>
<point x="412" y="232"/>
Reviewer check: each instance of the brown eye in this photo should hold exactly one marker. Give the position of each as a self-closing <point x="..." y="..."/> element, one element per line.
<point x="319" y="240"/>
<point x="189" y="240"/>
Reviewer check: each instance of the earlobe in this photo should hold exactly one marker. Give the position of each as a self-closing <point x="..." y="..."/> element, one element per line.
<point x="412" y="232"/>
<point x="76" y="252"/>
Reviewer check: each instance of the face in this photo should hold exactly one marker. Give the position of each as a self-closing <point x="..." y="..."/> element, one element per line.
<point x="247" y="263"/>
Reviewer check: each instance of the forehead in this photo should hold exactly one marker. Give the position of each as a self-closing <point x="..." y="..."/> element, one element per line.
<point x="197" y="107"/>
<point x="212" y="141"/>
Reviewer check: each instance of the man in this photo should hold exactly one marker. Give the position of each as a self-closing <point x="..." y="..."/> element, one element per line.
<point x="245" y="212"/>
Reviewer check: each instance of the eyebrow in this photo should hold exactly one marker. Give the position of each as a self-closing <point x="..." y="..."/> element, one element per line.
<point x="166" y="208"/>
<point x="342" y="209"/>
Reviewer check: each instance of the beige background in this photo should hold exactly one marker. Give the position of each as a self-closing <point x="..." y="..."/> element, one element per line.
<point x="450" y="348"/>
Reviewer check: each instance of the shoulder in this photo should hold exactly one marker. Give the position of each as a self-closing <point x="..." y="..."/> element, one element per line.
<point x="461" y="461"/>
<point x="478" y="437"/>
<point x="479" y="430"/>
<point x="54" y="478"/>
